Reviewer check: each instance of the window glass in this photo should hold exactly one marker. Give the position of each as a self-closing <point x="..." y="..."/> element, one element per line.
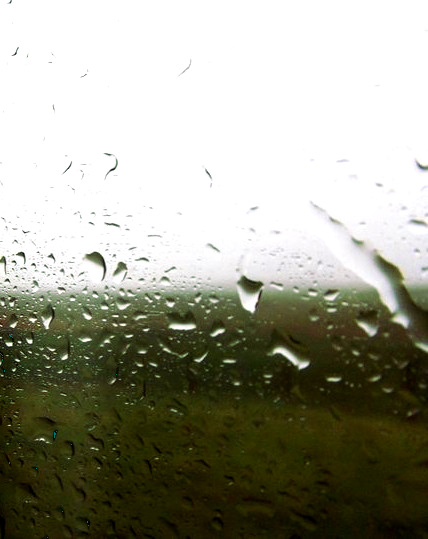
<point x="213" y="264"/>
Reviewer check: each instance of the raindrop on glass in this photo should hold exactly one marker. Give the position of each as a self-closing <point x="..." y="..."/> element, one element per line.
<point x="178" y="322"/>
<point x="47" y="315"/>
<point x="249" y="293"/>
<point x="368" y="322"/>
<point x="290" y="348"/>
<point x="120" y="272"/>
<point x="95" y="265"/>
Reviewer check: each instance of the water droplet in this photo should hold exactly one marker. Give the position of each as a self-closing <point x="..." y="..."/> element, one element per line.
<point x="165" y="346"/>
<point x="120" y="272"/>
<point x="213" y="298"/>
<point x="21" y="257"/>
<point x="95" y="265"/>
<point x="122" y="304"/>
<point x="201" y="357"/>
<point x="417" y="227"/>
<point x="217" y="328"/>
<point x="334" y="379"/>
<point x="277" y="286"/>
<point x="115" y="165"/>
<point x="3" y="266"/>
<point x="313" y="315"/>
<point x="8" y="340"/>
<point x="368" y="322"/>
<point x="142" y="349"/>
<point x="87" y="313"/>
<point x="421" y="163"/>
<point x="64" y="351"/>
<point x="331" y="295"/>
<point x="217" y="524"/>
<point x="178" y="322"/>
<point x="47" y="315"/>
<point x="213" y="247"/>
<point x="13" y="321"/>
<point x="290" y="348"/>
<point x="249" y="293"/>
<point x="85" y="338"/>
<point x="138" y="315"/>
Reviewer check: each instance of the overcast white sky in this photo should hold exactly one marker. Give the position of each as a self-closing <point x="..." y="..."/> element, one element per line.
<point x="284" y="103"/>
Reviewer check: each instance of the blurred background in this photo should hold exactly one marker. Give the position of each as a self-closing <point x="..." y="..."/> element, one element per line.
<point x="169" y="127"/>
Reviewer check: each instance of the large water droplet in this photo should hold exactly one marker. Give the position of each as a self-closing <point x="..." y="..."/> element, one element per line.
<point x="165" y="281"/>
<point x="47" y="315"/>
<point x="85" y="337"/>
<point x="217" y="328"/>
<point x="186" y="322"/>
<point x="95" y="265"/>
<point x="368" y="322"/>
<point x="13" y="321"/>
<point x="249" y="293"/>
<point x="331" y="294"/>
<point x="122" y="304"/>
<point x="290" y="348"/>
<point x="64" y="351"/>
<point x="87" y="313"/>
<point x="120" y="272"/>
<point x="200" y="357"/>
<point x="21" y="257"/>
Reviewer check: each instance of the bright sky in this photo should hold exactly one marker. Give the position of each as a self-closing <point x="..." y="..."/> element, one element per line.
<point x="284" y="103"/>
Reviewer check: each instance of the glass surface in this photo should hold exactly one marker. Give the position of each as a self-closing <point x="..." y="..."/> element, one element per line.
<point x="213" y="264"/>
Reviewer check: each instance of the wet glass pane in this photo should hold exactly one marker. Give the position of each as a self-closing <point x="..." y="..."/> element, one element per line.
<point x="213" y="266"/>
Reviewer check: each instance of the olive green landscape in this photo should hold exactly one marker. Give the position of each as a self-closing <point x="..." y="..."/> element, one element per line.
<point x="187" y="416"/>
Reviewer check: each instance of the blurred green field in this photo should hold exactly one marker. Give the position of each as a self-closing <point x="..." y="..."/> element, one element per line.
<point x="86" y="462"/>
<point x="228" y="348"/>
<point x="123" y="426"/>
